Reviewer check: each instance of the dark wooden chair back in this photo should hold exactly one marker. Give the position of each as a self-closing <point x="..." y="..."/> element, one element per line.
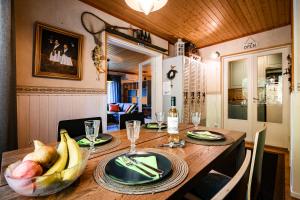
<point x="75" y="127"/>
<point x="256" y="165"/>
<point x="132" y="116"/>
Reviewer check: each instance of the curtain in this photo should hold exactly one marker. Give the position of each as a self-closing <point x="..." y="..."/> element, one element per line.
<point x="8" y="124"/>
<point x="114" y="90"/>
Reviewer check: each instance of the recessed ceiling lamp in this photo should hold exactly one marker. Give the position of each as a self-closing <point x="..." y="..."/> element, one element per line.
<point x="146" y="6"/>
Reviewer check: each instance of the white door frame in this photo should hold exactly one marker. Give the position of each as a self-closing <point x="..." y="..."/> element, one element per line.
<point x="276" y="129"/>
<point x="141" y="83"/>
<point x="239" y="124"/>
<point x="156" y="68"/>
<point x="253" y="55"/>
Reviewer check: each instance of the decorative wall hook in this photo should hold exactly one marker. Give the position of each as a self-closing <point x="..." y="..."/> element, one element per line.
<point x="192" y="97"/>
<point x="288" y="70"/>
<point x="198" y="97"/>
<point x="171" y="74"/>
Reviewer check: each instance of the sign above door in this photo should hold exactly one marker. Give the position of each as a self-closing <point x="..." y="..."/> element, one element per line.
<point x="250" y="44"/>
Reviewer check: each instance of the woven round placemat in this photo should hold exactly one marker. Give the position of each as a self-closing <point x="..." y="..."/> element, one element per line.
<point x="105" y="147"/>
<point x="228" y="140"/>
<point x="179" y="173"/>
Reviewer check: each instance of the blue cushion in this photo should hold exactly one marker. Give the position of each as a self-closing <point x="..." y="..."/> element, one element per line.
<point x="210" y="185"/>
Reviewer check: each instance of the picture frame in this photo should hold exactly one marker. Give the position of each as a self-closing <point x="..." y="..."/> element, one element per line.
<point x="58" y="53"/>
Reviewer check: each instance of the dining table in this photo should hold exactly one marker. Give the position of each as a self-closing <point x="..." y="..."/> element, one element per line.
<point x="200" y="159"/>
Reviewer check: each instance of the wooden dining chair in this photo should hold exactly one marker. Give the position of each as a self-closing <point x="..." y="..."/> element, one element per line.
<point x="254" y="182"/>
<point x="214" y="182"/>
<point x="131" y="116"/>
<point x="75" y="127"/>
<point x="227" y="185"/>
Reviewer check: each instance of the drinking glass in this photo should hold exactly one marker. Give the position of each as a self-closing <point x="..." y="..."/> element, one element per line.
<point x="160" y="119"/>
<point x="133" y="132"/>
<point x="196" y="117"/>
<point x="91" y="132"/>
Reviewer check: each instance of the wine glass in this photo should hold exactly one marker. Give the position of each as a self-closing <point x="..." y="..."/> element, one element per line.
<point x="91" y="132"/>
<point x="196" y="117"/>
<point x="133" y="132"/>
<point x="160" y="119"/>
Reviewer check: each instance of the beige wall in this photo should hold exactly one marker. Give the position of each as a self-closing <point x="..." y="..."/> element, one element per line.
<point x="266" y="39"/>
<point x="39" y="113"/>
<point x="295" y="109"/>
<point x="63" y="14"/>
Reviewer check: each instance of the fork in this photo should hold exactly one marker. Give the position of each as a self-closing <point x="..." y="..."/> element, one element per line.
<point x="130" y="163"/>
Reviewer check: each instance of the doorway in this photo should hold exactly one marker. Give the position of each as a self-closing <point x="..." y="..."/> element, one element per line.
<point x="140" y="85"/>
<point x="256" y="94"/>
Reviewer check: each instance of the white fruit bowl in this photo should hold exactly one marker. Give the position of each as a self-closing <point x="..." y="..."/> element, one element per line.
<point x="45" y="185"/>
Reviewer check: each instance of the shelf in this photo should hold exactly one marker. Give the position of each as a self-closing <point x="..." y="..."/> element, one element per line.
<point x="138" y="41"/>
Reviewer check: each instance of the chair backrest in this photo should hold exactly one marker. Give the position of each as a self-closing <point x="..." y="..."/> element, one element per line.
<point x="241" y="174"/>
<point x="131" y="116"/>
<point x="75" y="127"/>
<point x="256" y="164"/>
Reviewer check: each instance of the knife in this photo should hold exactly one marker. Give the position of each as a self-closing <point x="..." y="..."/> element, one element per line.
<point x="159" y="171"/>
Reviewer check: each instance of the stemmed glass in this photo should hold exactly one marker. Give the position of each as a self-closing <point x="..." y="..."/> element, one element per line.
<point x="196" y="117"/>
<point x="133" y="132"/>
<point x="91" y="132"/>
<point x="160" y="119"/>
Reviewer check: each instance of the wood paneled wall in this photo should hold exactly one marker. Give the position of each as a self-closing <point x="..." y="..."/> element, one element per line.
<point x="39" y="114"/>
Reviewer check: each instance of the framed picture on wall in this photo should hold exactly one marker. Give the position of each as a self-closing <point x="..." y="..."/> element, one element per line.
<point x="58" y="53"/>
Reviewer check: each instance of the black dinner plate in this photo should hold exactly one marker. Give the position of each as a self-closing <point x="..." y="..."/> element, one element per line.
<point x="207" y="139"/>
<point x="163" y="126"/>
<point x="106" y="137"/>
<point x="126" y="176"/>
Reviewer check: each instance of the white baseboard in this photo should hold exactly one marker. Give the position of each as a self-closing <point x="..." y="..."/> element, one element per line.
<point x="295" y="195"/>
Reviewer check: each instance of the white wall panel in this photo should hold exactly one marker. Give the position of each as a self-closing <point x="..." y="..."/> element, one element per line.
<point x="38" y="115"/>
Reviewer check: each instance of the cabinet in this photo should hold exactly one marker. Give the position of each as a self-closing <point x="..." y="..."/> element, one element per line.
<point x="189" y="86"/>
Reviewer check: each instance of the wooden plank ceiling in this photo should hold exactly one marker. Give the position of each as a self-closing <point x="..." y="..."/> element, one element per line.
<point x="124" y="60"/>
<point x="204" y="22"/>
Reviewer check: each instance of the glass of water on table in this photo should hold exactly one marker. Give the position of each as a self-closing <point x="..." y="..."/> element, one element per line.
<point x="133" y="132"/>
<point x="196" y="117"/>
<point x="91" y="132"/>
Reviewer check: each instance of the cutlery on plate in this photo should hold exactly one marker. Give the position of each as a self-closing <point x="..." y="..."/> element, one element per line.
<point x="159" y="171"/>
<point x="130" y="163"/>
<point x="173" y="144"/>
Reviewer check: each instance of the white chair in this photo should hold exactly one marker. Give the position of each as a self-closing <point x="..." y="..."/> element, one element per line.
<point x="256" y="164"/>
<point x="217" y="186"/>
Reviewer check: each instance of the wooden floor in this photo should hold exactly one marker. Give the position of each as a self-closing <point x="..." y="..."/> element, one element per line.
<point x="287" y="166"/>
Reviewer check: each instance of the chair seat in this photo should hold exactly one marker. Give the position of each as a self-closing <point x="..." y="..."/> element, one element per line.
<point x="210" y="185"/>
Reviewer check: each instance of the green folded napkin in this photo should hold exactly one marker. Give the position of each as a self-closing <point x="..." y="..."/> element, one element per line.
<point x="155" y="125"/>
<point x="149" y="160"/>
<point x="204" y="135"/>
<point x="85" y="141"/>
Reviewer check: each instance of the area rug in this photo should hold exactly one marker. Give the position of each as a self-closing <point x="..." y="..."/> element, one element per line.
<point x="273" y="177"/>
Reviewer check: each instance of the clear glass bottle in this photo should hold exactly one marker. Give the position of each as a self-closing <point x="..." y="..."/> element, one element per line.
<point x="173" y="122"/>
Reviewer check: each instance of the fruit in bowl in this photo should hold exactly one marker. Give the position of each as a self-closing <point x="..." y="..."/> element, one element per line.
<point x="36" y="175"/>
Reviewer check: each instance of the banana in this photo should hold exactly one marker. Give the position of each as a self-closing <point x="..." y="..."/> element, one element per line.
<point x="75" y="157"/>
<point x="61" y="162"/>
<point x="50" y="179"/>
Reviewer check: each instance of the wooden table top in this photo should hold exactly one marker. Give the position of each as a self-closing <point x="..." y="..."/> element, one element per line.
<point x="199" y="158"/>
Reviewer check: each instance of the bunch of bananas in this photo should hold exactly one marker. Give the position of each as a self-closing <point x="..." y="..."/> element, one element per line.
<point x="66" y="168"/>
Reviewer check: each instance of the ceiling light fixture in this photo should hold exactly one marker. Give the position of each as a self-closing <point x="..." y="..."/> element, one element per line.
<point x="146" y="6"/>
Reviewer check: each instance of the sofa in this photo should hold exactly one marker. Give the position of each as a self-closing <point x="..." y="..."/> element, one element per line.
<point x="114" y="116"/>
